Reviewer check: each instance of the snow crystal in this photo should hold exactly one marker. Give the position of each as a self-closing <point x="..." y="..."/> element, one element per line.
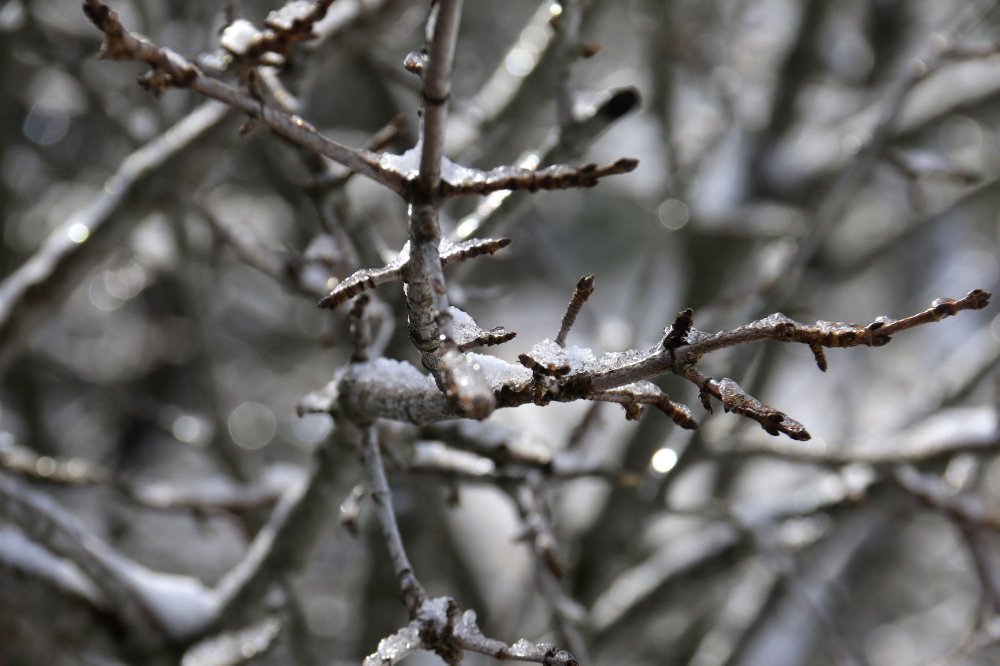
<point x="522" y="648"/>
<point x="286" y="17"/>
<point x="435" y="610"/>
<point x="406" y="165"/>
<point x="455" y="174"/>
<point x="579" y="359"/>
<point x="465" y="327"/>
<point x="499" y="372"/>
<point x="395" y="647"/>
<point x="239" y="37"/>
<point x="772" y="320"/>
<point x="402" y="375"/>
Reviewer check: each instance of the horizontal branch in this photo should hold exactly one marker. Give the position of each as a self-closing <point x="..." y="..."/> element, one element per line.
<point x="780" y="328"/>
<point x="369" y="278"/>
<point x="396" y="390"/>
<point x="556" y="177"/>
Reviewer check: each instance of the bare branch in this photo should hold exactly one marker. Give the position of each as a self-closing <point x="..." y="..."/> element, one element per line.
<point x="780" y="328"/>
<point x="436" y="91"/>
<point x="412" y="591"/>
<point x="584" y="288"/>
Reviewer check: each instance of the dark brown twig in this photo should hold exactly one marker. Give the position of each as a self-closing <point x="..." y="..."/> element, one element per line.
<point x="584" y="288"/>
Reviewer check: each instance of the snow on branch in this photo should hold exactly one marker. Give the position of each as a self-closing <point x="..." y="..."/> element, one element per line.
<point x="822" y="334"/>
<point x="556" y="177"/>
<point x="549" y="372"/>
<point x="285" y="27"/>
<point x="153" y="607"/>
<point x="440" y="626"/>
<point x="369" y="278"/>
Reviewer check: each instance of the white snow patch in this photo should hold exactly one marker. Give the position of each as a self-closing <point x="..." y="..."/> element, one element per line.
<point x="18" y="551"/>
<point x="182" y="604"/>
<point x="499" y="372"/>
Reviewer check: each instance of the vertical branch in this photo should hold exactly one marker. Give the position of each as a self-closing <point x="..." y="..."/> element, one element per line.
<point x="584" y="288"/>
<point x="413" y="591"/>
<point x="430" y="325"/>
<point x="435" y="91"/>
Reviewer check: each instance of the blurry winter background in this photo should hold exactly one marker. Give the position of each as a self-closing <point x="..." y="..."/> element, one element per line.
<point x="832" y="160"/>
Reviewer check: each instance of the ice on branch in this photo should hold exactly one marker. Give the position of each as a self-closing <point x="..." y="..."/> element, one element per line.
<point x="735" y="399"/>
<point x="636" y="394"/>
<point x="457" y="180"/>
<point x="468" y="335"/>
<point x="369" y="278"/>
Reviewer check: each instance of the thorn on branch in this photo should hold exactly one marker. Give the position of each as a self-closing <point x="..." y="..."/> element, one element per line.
<point x="361" y="329"/>
<point x="819" y="355"/>
<point x="584" y="288"/>
<point x="621" y="102"/>
<point x="677" y="334"/>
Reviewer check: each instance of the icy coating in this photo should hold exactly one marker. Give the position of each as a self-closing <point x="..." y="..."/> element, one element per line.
<point x="464" y="326"/>
<point x="182" y="604"/>
<point x="578" y="359"/>
<point x="390" y="650"/>
<point x="234" y="648"/>
<point x="439" y="456"/>
<point x="403" y="376"/>
<point x="499" y="372"/>
<point x="408" y="166"/>
<point x="582" y="359"/>
<point x="292" y="13"/>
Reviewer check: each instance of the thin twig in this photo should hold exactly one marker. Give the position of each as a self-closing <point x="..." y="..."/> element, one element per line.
<point x="172" y="70"/>
<point x="412" y="591"/>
